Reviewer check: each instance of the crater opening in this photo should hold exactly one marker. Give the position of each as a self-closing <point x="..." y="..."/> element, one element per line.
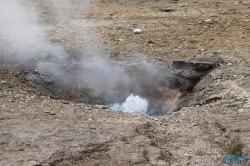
<point x="152" y="88"/>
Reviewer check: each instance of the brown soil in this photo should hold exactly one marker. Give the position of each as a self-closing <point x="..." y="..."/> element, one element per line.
<point x="38" y="130"/>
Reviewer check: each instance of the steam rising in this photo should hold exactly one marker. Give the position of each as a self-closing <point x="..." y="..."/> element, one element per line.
<point x="24" y="40"/>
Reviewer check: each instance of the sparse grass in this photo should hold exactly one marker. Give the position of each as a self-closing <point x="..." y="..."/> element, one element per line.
<point x="29" y="102"/>
<point x="139" y="50"/>
<point x="175" y="133"/>
<point x="200" y="153"/>
<point x="145" y="154"/>
<point x="165" y="154"/>
<point x="175" y="147"/>
<point x="179" y="38"/>
<point x="215" y="51"/>
<point x="235" y="146"/>
<point x="235" y="149"/>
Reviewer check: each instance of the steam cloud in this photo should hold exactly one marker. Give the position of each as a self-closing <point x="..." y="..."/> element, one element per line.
<point x="24" y="40"/>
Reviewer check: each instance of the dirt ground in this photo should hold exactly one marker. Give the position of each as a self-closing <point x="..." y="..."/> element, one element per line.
<point x="36" y="129"/>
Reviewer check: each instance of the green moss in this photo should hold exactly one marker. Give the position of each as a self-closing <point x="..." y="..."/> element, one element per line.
<point x="235" y="149"/>
<point x="200" y="153"/>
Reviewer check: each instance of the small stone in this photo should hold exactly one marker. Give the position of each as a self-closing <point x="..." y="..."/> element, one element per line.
<point x="65" y="102"/>
<point x="166" y="10"/>
<point x="229" y="64"/>
<point x="246" y="106"/>
<point x="213" y="15"/>
<point x="189" y="156"/>
<point x="31" y="163"/>
<point x="174" y="1"/>
<point x="137" y="31"/>
<point x="52" y="113"/>
<point x="101" y="107"/>
<point x="162" y="163"/>
<point x="210" y="21"/>
<point x="150" y="42"/>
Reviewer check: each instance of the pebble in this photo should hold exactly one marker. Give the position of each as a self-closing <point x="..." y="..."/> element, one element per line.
<point x="241" y="110"/>
<point x="166" y="10"/>
<point x="52" y="113"/>
<point x="213" y="15"/>
<point x="32" y="163"/>
<point x="189" y="156"/>
<point x="246" y="106"/>
<point x="210" y="21"/>
<point x="174" y="1"/>
<point x="101" y="107"/>
<point x="137" y="31"/>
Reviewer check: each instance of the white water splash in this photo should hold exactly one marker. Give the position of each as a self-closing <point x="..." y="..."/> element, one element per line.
<point x="132" y="104"/>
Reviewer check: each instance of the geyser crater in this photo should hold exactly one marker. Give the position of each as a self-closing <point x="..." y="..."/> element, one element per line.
<point x="148" y="88"/>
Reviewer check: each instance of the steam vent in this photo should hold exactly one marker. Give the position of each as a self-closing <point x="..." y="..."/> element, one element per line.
<point x="165" y="88"/>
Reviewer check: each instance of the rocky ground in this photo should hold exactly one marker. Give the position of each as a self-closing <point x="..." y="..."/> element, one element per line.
<point x="36" y="129"/>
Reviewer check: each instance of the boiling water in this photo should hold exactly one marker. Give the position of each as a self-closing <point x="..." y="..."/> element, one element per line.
<point x="132" y="104"/>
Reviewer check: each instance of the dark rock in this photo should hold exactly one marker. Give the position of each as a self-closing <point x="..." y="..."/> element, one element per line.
<point x="150" y="42"/>
<point x="189" y="77"/>
<point x="174" y="1"/>
<point x="187" y="73"/>
<point x="166" y="10"/>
